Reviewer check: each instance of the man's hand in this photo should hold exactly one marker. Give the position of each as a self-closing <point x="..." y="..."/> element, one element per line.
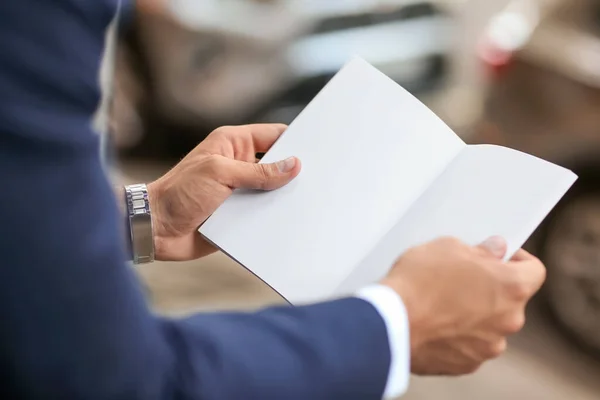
<point x="187" y="195"/>
<point x="463" y="302"/>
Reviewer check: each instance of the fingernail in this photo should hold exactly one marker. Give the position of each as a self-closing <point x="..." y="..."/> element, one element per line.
<point x="496" y="245"/>
<point x="286" y="165"/>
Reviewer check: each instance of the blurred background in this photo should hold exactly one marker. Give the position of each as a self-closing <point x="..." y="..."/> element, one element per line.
<point x="521" y="73"/>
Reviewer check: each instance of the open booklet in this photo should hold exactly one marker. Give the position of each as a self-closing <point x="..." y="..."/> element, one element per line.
<point x="380" y="173"/>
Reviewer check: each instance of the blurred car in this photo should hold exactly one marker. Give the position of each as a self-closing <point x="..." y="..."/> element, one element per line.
<point x="208" y="63"/>
<point x="544" y="99"/>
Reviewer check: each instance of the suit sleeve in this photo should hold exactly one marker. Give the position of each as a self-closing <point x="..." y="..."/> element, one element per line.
<point x="74" y="321"/>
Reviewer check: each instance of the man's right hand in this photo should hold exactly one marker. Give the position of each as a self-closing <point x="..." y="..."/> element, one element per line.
<point x="462" y="302"/>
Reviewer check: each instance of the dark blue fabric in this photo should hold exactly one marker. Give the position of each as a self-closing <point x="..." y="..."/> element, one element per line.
<point x="74" y="323"/>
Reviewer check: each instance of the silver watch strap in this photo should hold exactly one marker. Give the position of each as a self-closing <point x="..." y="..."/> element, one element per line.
<point x="140" y="223"/>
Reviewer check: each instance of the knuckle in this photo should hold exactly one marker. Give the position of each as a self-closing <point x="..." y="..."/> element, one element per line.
<point x="263" y="173"/>
<point x="533" y="270"/>
<point x="530" y="259"/>
<point x="515" y="323"/>
<point x="223" y="130"/>
<point x="540" y="269"/>
<point x="410" y="254"/>
<point x="471" y="368"/>
<point x="214" y="165"/>
<point x="520" y="291"/>
<point x="496" y="349"/>
<point x="449" y="242"/>
<point x="414" y="252"/>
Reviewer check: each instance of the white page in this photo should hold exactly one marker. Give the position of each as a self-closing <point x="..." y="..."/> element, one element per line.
<point x="486" y="191"/>
<point x="368" y="150"/>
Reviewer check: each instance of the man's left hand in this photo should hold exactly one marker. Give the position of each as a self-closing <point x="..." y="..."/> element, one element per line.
<point x="186" y="196"/>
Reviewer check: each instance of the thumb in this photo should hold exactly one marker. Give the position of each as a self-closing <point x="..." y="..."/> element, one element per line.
<point x="244" y="175"/>
<point x="495" y="246"/>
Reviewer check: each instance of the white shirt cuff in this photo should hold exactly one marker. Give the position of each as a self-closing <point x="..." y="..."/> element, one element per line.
<point x="391" y="308"/>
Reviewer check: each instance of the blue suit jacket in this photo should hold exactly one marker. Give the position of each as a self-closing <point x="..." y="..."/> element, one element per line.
<point x="74" y="324"/>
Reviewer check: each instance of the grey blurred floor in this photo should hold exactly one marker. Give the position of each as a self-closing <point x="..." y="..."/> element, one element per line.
<point x="540" y="365"/>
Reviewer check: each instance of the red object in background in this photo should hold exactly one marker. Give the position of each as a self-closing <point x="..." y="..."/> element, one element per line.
<point x="507" y="33"/>
<point x="495" y="59"/>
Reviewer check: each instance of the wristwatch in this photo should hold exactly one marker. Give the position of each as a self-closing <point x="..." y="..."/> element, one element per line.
<point x="140" y="223"/>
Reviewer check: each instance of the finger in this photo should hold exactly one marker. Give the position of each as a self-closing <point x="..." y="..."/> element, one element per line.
<point x="529" y="272"/>
<point x="242" y="142"/>
<point x="522" y="255"/>
<point x="265" y="135"/>
<point x="495" y="246"/>
<point x="243" y="175"/>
